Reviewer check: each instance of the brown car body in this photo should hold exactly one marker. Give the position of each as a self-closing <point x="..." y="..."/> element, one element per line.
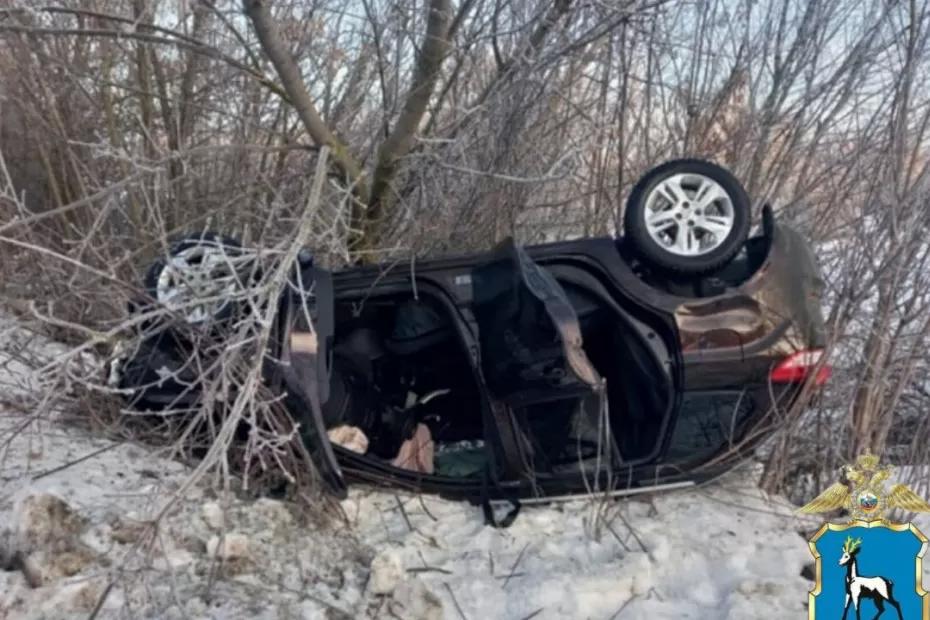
<point x="536" y="343"/>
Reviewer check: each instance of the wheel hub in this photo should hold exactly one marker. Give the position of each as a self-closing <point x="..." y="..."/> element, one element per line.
<point x="197" y="282"/>
<point x="693" y="198"/>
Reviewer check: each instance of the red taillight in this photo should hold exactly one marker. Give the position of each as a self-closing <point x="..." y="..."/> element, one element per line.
<point x="798" y="367"/>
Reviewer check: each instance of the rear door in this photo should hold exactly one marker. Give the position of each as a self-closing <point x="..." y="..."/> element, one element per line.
<point x="305" y="332"/>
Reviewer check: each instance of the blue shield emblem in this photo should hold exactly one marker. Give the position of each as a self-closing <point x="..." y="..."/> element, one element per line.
<point x="869" y="570"/>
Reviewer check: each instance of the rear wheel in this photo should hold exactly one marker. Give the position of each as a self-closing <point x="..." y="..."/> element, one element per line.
<point x="687" y="216"/>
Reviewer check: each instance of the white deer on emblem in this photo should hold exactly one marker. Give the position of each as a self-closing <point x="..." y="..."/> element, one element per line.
<point x="878" y="589"/>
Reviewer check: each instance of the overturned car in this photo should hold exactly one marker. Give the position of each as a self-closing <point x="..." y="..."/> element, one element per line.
<point x="600" y="363"/>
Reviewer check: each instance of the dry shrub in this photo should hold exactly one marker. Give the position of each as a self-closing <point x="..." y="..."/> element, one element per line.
<point x="237" y="431"/>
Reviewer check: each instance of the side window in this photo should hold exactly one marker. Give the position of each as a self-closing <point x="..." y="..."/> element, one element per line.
<point x="708" y="422"/>
<point x="569" y="436"/>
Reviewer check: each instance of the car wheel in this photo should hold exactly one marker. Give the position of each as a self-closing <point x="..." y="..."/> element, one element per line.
<point x="198" y="278"/>
<point x="687" y="216"/>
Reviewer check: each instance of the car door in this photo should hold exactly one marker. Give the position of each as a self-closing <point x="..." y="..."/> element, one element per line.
<point x="530" y="347"/>
<point x="304" y="334"/>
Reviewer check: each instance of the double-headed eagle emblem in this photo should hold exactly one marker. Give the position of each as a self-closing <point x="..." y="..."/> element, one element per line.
<point x="863" y="493"/>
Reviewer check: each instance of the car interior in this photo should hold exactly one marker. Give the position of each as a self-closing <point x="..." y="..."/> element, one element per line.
<point x="399" y="362"/>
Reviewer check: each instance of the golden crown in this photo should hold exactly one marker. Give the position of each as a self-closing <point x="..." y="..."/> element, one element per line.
<point x="867" y="462"/>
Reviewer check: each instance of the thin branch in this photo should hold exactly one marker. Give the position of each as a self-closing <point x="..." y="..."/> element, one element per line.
<point x="401" y="139"/>
<point x="299" y="95"/>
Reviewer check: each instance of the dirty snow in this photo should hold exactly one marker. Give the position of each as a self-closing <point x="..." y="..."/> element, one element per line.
<point x="66" y="535"/>
<point x="75" y="532"/>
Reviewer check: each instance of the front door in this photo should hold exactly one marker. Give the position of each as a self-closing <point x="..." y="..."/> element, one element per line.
<point x="532" y="358"/>
<point x="305" y="333"/>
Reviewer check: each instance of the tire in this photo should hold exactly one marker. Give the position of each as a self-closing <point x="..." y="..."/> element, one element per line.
<point x="165" y="284"/>
<point x="690" y="232"/>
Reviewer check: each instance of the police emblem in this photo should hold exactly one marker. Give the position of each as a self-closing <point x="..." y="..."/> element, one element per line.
<point x="868" y="565"/>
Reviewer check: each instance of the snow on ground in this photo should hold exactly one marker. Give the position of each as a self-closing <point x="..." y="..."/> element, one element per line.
<point x="75" y="513"/>
<point x="722" y="552"/>
<point x="65" y="535"/>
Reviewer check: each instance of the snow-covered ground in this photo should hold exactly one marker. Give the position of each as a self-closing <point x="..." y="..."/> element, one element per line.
<point x="721" y="552"/>
<point x="66" y="535"/>
<point x="76" y="515"/>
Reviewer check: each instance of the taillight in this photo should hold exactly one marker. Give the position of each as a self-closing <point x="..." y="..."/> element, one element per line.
<point x="798" y="367"/>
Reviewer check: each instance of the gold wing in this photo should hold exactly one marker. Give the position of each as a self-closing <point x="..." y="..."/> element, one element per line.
<point x="832" y="498"/>
<point x="900" y="496"/>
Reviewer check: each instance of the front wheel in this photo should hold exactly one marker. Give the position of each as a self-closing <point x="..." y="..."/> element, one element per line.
<point x="687" y="216"/>
<point x="199" y="277"/>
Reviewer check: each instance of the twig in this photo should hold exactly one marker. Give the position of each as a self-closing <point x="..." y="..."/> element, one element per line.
<point x="610" y="528"/>
<point x="55" y="470"/>
<point x="425" y="509"/>
<point x="635" y="535"/>
<point x="403" y="513"/>
<point x="515" y="564"/>
<point x="454" y="600"/>
<point x="429" y="569"/>
<point x="101" y="600"/>
<point x="622" y="607"/>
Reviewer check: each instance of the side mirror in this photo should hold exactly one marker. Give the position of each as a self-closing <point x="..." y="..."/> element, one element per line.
<point x="768" y="221"/>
